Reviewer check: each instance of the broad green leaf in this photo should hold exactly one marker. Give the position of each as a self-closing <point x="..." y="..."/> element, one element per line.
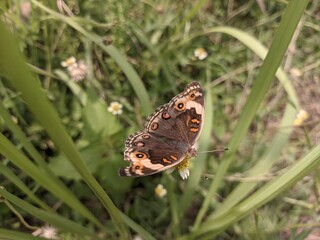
<point x="92" y="157"/>
<point x="98" y="121"/>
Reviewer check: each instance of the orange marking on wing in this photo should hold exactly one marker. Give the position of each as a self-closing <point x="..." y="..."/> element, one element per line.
<point x="173" y="157"/>
<point x="194" y="129"/>
<point x="194" y="120"/>
<point x="166" y="160"/>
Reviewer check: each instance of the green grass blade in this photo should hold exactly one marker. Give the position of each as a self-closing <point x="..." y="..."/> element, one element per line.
<point x="53" y="184"/>
<point x="156" y="51"/>
<point x="261" y="85"/>
<point x="128" y="70"/>
<point x="8" y="150"/>
<point x="75" y="88"/>
<point x="261" y="51"/>
<point x="174" y="209"/>
<point x="52" y="218"/>
<point x="22" y="138"/>
<point x="14" y="235"/>
<point x="137" y="228"/>
<point x="131" y="74"/>
<point x="198" y="5"/>
<point x="15" y="69"/>
<point x="16" y="180"/>
<point x="264" y="164"/>
<point x="303" y="167"/>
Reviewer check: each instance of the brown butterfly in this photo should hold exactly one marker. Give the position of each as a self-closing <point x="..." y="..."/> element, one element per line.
<point x="169" y="135"/>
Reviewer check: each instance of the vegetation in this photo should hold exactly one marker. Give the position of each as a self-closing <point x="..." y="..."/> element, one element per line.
<point x="78" y="77"/>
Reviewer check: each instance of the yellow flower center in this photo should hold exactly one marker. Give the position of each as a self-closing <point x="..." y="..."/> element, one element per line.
<point x="116" y="107"/>
<point x="183" y="165"/>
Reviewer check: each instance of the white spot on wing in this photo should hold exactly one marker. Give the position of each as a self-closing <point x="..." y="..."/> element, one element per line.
<point x="147" y="163"/>
<point x="197" y="106"/>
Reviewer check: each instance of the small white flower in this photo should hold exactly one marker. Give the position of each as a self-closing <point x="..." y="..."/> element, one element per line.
<point x="115" y="108"/>
<point x="184" y="173"/>
<point x="78" y="71"/>
<point x="183" y="168"/>
<point x="25" y="10"/>
<point x="200" y="53"/>
<point x="137" y="237"/>
<point x="295" y="72"/>
<point x="160" y="191"/>
<point x="69" y="62"/>
<point x="46" y="232"/>
<point x="302" y="115"/>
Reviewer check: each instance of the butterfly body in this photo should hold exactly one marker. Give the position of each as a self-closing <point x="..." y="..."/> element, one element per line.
<point x="169" y="134"/>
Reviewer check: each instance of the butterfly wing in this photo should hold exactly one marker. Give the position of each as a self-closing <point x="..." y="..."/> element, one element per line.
<point x="170" y="132"/>
<point x="182" y="118"/>
<point x="151" y="153"/>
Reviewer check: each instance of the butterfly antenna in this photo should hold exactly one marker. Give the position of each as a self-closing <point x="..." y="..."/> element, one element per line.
<point x="216" y="150"/>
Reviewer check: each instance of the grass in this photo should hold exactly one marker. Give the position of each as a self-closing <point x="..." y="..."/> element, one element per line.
<point x="61" y="148"/>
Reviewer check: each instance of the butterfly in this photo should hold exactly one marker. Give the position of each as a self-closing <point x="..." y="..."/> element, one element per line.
<point x="169" y="135"/>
